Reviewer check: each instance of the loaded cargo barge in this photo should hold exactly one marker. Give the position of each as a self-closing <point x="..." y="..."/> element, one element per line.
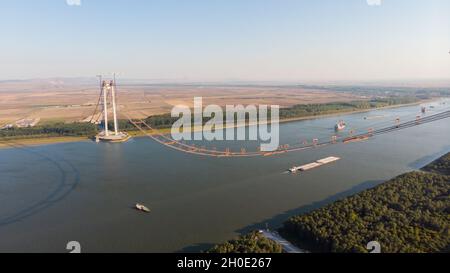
<point x="314" y="165"/>
<point x="356" y="139"/>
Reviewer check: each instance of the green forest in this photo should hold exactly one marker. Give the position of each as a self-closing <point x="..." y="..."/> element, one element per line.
<point x="51" y="130"/>
<point x="306" y="110"/>
<point x="408" y="214"/>
<point x="249" y="243"/>
<point x="302" y="110"/>
<point x="441" y="166"/>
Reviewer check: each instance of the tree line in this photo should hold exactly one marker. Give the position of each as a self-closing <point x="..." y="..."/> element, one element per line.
<point x="296" y="111"/>
<point x="305" y="110"/>
<point x="51" y="130"/>
<point x="166" y="120"/>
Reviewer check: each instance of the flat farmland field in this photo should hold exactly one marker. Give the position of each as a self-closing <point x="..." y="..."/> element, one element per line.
<point x="58" y="101"/>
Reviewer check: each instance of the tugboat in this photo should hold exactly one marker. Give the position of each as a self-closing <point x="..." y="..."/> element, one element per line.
<point x="341" y="125"/>
<point x="142" y="208"/>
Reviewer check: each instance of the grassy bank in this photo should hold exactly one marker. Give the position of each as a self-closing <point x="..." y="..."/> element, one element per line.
<point x="6" y="144"/>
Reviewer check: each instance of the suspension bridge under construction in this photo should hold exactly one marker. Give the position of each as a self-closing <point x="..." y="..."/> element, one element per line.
<point x="108" y="97"/>
<point x="108" y="93"/>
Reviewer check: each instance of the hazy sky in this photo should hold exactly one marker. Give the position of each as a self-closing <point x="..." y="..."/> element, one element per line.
<point x="210" y="40"/>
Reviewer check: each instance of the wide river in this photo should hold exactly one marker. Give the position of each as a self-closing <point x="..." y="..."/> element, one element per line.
<point x="53" y="194"/>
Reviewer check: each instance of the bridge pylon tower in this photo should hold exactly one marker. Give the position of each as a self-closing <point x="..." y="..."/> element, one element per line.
<point x="109" y="94"/>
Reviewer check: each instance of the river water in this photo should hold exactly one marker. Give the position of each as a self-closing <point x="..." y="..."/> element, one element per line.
<point x="53" y="194"/>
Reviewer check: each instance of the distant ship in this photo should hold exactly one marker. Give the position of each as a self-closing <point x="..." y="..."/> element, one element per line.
<point x="341" y="125"/>
<point x="142" y="208"/>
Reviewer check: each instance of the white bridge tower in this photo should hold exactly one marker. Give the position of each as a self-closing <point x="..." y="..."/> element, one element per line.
<point x="109" y="98"/>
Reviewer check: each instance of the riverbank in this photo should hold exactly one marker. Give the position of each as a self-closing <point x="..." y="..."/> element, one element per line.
<point x="240" y="190"/>
<point x="407" y="214"/>
<point x="287" y="120"/>
<point x="336" y="114"/>
<point x="391" y="214"/>
<point x="8" y="144"/>
<point x="36" y="141"/>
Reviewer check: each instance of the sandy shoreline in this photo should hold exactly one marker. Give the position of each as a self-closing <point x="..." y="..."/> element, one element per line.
<point x="8" y="144"/>
<point x="29" y="142"/>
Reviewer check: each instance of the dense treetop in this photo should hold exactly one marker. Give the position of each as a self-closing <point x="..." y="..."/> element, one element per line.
<point x="51" y="130"/>
<point x="250" y="243"/>
<point x="407" y="214"/>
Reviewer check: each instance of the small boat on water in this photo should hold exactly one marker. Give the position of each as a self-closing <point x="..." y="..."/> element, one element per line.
<point x="341" y="125"/>
<point x="142" y="208"/>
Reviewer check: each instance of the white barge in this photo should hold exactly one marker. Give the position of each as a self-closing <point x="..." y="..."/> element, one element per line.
<point x="314" y="165"/>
